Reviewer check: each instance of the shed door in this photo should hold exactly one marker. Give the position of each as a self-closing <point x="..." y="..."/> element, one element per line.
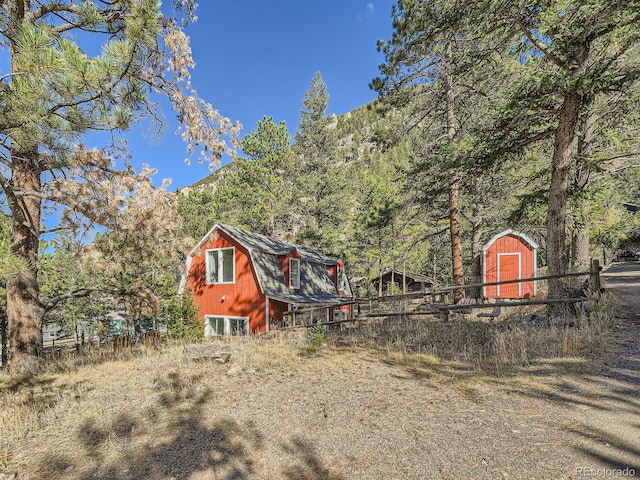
<point x="508" y="269"/>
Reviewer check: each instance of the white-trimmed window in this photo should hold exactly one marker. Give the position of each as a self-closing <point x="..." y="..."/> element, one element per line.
<point x="218" y="326"/>
<point x="221" y="265"/>
<point x="294" y="273"/>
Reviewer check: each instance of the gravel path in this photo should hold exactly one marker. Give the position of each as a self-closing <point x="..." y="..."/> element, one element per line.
<point x="609" y="430"/>
<point x="624" y="280"/>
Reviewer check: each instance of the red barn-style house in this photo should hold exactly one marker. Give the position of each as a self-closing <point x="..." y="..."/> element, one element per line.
<point x="509" y="255"/>
<point x="246" y="282"/>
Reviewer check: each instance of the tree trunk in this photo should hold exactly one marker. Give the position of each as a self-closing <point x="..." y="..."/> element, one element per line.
<point x="24" y="310"/>
<point x="557" y="204"/>
<point x="3" y="337"/>
<point x="476" y="249"/>
<point x="25" y="314"/>
<point x="580" y="251"/>
<point x="456" y="244"/>
<point x="581" y="248"/>
<point x="137" y="328"/>
<point x="454" y="192"/>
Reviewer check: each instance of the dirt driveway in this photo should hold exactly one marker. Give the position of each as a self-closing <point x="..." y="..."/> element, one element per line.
<point x="607" y="404"/>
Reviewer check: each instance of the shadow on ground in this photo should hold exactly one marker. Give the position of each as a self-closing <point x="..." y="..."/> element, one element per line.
<point x="173" y="439"/>
<point x="602" y="399"/>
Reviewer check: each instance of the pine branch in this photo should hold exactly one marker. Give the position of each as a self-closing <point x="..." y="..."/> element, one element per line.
<point x="537" y="43"/>
<point x="44" y="10"/>
<point x="100" y="93"/>
<point x="80" y="293"/>
<point x="108" y="16"/>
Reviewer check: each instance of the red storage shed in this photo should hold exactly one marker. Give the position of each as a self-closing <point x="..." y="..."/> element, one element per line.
<point x="510" y="255"/>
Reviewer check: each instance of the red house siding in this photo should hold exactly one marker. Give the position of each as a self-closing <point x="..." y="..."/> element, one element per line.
<point x="509" y="257"/>
<point x="333" y="273"/>
<point x="242" y="297"/>
<point x="233" y="299"/>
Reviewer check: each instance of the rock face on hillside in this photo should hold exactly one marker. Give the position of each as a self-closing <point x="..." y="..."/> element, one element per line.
<point x="355" y="131"/>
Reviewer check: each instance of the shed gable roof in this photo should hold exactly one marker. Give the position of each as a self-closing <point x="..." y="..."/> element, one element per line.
<point x="523" y="237"/>
<point x="416" y="277"/>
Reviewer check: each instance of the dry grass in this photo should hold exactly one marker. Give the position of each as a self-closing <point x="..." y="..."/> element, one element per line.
<point x="496" y="347"/>
<point x="136" y="399"/>
<point x="350" y="407"/>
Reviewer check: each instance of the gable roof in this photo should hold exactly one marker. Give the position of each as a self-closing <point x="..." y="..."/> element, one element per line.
<point x="523" y="237"/>
<point x="416" y="277"/>
<point x="316" y="286"/>
<point x="261" y="243"/>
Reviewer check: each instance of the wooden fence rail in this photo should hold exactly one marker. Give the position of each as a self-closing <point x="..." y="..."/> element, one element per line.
<point x="432" y="308"/>
<point x="592" y="273"/>
<point x="517" y="303"/>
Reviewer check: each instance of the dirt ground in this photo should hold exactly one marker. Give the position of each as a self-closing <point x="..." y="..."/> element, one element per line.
<point x="340" y="414"/>
<point x="604" y="407"/>
<point x="609" y="402"/>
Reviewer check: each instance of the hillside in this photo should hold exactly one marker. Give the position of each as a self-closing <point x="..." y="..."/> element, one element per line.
<point x="359" y="404"/>
<point x="279" y="410"/>
<point x="373" y="187"/>
<point x="351" y="127"/>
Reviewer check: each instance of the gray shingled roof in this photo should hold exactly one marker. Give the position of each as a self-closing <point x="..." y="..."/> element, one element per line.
<point x="262" y="243"/>
<point x="416" y="277"/>
<point x="316" y="287"/>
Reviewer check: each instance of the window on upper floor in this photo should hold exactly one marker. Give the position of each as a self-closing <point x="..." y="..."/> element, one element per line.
<point x="342" y="279"/>
<point x="294" y="273"/>
<point x="221" y="265"/>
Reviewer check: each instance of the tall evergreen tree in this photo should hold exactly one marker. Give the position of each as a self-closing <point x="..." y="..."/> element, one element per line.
<point x="561" y="55"/>
<point x="556" y="57"/>
<point x="197" y="209"/>
<point x="427" y="73"/>
<point x="258" y="190"/>
<point x="606" y="146"/>
<point x="321" y="183"/>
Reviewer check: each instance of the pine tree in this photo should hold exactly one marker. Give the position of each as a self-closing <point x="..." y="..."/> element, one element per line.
<point x="198" y="210"/>
<point x="547" y="61"/>
<point x="428" y="66"/>
<point x="257" y="191"/>
<point x="54" y="95"/>
<point x="561" y="56"/>
<point x="320" y="181"/>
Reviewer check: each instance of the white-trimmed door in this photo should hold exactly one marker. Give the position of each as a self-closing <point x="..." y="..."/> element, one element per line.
<point x="509" y="268"/>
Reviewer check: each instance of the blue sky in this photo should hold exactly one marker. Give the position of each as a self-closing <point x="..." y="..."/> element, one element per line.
<point x="256" y="58"/>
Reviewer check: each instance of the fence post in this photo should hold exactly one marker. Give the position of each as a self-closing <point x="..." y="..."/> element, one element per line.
<point x="595" y="277"/>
